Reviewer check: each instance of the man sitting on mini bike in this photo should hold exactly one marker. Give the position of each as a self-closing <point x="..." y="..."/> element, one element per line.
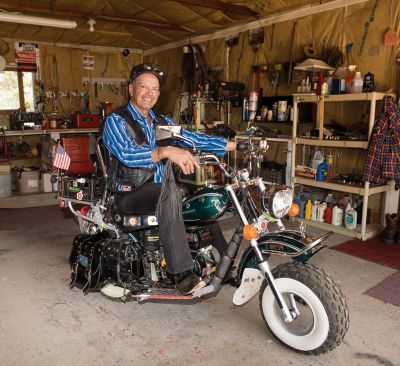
<point x="140" y="167"/>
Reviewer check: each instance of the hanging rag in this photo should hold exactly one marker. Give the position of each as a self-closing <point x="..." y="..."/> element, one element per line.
<point x="171" y="226"/>
<point x="383" y="157"/>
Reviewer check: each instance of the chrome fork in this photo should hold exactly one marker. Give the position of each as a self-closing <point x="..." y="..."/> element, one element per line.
<point x="262" y="265"/>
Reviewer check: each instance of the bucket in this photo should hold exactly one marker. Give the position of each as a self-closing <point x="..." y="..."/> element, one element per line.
<point x="5" y="185"/>
<point x="29" y="181"/>
<point x="45" y="183"/>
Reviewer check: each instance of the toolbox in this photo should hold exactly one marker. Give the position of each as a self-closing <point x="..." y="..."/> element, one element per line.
<point x="78" y="150"/>
<point x="85" y="120"/>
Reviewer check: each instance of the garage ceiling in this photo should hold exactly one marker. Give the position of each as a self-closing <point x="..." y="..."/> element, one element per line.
<point x="143" y="24"/>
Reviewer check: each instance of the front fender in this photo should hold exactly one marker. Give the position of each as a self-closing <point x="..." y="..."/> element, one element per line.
<point x="298" y="246"/>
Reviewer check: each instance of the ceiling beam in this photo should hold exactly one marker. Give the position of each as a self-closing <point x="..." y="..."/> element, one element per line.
<point x="42" y="8"/>
<point x="220" y="5"/>
<point x="264" y="22"/>
<point x="95" y="48"/>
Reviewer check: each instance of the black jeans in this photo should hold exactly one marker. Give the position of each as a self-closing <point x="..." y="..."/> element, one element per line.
<point x="143" y="201"/>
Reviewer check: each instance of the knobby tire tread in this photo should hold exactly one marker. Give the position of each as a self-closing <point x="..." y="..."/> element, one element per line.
<point x="327" y="290"/>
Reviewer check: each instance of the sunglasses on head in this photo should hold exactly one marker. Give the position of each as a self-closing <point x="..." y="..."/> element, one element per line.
<point x="143" y="68"/>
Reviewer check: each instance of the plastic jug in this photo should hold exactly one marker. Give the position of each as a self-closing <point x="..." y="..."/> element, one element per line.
<point x="308" y="211"/>
<point x="350" y="218"/>
<point x="342" y="203"/>
<point x="337" y="216"/>
<point x="317" y="159"/>
<point x="329" y="199"/>
<point x="357" y="83"/>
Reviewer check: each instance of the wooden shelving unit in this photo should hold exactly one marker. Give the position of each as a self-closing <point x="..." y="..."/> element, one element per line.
<point x="363" y="231"/>
<point x="40" y="198"/>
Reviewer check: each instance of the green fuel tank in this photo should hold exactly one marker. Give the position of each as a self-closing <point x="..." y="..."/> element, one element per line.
<point x="208" y="203"/>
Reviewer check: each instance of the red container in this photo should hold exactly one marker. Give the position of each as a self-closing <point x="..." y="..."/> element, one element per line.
<point x="87" y="120"/>
<point x="328" y="213"/>
<point x="78" y="150"/>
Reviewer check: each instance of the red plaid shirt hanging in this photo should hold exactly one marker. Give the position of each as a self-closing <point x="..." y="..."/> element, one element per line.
<point x="383" y="158"/>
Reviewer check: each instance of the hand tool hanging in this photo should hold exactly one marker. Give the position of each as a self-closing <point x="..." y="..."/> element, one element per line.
<point x="290" y="71"/>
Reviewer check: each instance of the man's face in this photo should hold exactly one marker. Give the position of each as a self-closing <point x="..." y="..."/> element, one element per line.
<point x="144" y="92"/>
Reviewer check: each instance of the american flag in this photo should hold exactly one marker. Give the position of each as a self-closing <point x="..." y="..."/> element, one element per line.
<point x="61" y="158"/>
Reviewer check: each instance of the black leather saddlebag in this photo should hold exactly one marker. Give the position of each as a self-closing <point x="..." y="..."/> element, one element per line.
<point x="101" y="258"/>
<point x="87" y="262"/>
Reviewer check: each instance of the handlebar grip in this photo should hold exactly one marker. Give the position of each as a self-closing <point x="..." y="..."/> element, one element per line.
<point x="242" y="146"/>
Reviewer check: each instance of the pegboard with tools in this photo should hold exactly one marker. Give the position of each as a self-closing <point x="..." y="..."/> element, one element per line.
<point x="115" y="85"/>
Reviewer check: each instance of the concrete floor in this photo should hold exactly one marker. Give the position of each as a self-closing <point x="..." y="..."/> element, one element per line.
<point x="43" y="322"/>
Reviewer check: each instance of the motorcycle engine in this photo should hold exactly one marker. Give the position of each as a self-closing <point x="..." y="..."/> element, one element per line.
<point x="205" y="255"/>
<point x="122" y="259"/>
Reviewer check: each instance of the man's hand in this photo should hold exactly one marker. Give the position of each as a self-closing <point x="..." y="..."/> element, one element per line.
<point x="231" y="146"/>
<point x="183" y="158"/>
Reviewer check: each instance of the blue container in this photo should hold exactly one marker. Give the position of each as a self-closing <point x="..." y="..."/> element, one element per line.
<point x="335" y="89"/>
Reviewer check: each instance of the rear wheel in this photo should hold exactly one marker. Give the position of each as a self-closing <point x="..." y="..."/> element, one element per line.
<point x="322" y="315"/>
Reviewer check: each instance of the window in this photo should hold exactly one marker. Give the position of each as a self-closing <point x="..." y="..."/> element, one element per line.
<point x="16" y="90"/>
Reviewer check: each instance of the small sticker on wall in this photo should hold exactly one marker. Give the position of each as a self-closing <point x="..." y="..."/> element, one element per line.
<point x="88" y="62"/>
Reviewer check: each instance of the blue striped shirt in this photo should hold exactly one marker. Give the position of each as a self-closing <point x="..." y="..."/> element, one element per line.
<point x="119" y="142"/>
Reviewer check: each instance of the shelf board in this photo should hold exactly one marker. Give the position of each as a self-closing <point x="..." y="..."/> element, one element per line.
<point x="46" y="132"/>
<point x="341" y="187"/>
<point x="22" y="158"/>
<point x="333" y="143"/>
<point x="29" y="200"/>
<point x="371" y="230"/>
<point x="352" y="97"/>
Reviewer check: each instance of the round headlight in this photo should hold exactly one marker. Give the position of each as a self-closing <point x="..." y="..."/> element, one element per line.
<point x="277" y="201"/>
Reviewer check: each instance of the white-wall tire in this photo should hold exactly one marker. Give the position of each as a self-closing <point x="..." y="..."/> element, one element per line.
<point x="321" y="303"/>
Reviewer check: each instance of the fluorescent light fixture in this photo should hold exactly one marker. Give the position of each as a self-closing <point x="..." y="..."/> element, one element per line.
<point x="27" y="19"/>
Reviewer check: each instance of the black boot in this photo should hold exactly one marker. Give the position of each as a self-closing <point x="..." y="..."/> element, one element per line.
<point x="391" y="232"/>
<point x="187" y="282"/>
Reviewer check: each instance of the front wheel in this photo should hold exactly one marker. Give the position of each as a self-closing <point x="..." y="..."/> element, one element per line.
<point x="322" y="314"/>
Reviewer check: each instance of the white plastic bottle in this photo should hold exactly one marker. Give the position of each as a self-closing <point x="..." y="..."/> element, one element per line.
<point x="321" y="211"/>
<point x="350" y="218"/>
<point x="314" y="210"/>
<point x="337" y="216"/>
<point x="357" y="83"/>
